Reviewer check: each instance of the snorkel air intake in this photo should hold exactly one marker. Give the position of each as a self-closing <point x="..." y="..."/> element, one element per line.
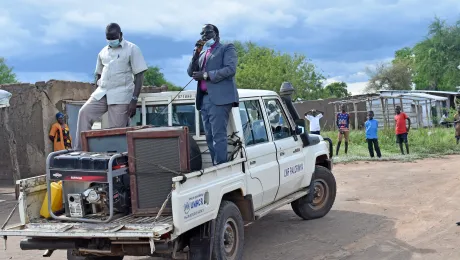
<point x="286" y="91"/>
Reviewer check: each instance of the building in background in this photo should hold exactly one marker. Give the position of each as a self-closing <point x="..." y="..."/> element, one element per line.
<point x="424" y="107"/>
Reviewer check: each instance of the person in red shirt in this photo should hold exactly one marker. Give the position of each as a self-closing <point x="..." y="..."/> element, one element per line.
<point x="401" y="129"/>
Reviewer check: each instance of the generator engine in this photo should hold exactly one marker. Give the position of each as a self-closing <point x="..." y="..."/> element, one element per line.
<point x="94" y="200"/>
<point x="88" y="179"/>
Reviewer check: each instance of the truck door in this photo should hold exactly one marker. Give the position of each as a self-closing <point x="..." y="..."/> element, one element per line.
<point x="262" y="165"/>
<point x="288" y="150"/>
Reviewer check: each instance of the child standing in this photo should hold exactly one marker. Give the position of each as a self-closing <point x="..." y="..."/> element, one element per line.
<point x="372" y="127"/>
<point x="457" y="125"/>
<point x="314" y="116"/>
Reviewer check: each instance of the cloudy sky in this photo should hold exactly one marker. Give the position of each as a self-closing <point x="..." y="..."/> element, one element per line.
<point x="60" y="39"/>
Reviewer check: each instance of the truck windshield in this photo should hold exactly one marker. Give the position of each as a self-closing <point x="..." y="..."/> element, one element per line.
<point x="182" y="115"/>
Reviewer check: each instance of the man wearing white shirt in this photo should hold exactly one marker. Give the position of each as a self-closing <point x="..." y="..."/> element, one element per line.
<point x="314" y="116"/>
<point x="120" y="71"/>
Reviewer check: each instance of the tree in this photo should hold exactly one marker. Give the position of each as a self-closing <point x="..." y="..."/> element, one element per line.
<point x="404" y="54"/>
<point x="264" y="68"/>
<point x="154" y="77"/>
<point x="434" y="60"/>
<point x="7" y="75"/>
<point x="390" y="76"/>
<point x="437" y="57"/>
<point x="337" y="90"/>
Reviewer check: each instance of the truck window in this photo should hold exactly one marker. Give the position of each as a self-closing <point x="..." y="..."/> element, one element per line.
<point x="277" y="118"/>
<point x="182" y="115"/>
<point x="253" y="123"/>
<point x="137" y="119"/>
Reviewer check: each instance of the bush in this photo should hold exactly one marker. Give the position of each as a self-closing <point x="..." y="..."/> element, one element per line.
<point x="425" y="142"/>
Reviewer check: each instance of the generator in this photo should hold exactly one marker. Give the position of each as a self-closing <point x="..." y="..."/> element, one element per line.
<point x="95" y="185"/>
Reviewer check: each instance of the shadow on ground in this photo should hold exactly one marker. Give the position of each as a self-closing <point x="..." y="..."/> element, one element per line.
<point x="340" y="235"/>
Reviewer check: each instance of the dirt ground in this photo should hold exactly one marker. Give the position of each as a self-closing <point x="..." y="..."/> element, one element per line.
<point x="383" y="210"/>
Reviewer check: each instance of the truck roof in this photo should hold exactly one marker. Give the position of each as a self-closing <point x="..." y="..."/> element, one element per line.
<point x="243" y="93"/>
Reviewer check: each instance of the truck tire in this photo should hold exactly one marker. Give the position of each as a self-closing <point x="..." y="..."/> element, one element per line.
<point x="70" y="256"/>
<point x="325" y="191"/>
<point x="229" y="233"/>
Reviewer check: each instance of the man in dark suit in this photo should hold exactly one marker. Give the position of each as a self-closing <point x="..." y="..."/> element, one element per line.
<point x="213" y="66"/>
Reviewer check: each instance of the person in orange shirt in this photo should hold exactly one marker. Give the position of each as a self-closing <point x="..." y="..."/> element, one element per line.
<point x="60" y="134"/>
<point x="401" y="129"/>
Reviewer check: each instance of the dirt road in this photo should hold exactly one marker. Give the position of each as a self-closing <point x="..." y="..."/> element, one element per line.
<point x="383" y="210"/>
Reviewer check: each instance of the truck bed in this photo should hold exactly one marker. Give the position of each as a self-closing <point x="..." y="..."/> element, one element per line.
<point x="123" y="227"/>
<point x="33" y="192"/>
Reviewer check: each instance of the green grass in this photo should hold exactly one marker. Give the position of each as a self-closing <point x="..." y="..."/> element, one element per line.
<point x="423" y="143"/>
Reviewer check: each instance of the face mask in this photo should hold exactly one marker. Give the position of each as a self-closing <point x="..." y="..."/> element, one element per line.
<point x="113" y="43"/>
<point x="209" y="43"/>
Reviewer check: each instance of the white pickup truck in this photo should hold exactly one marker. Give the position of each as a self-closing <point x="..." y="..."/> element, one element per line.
<point x="277" y="164"/>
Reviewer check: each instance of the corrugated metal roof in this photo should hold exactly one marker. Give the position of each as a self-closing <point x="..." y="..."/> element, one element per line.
<point x="414" y="96"/>
<point x="423" y="91"/>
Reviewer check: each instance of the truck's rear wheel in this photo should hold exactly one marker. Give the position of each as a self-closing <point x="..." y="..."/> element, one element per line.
<point x="70" y="256"/>
<point x="229" y="233"/>
<point x="324" y="196"/>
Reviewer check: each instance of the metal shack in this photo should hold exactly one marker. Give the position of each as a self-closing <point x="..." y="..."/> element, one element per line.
<point x="422" y="108"/>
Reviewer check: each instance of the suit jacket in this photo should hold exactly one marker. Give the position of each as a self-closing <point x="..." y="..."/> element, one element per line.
<point x="221" y="67"/>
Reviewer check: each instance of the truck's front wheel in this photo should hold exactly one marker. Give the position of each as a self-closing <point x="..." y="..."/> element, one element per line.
<point x="324" y="196"/>
<point x="229" y="233"/>
<point x="70" y="256"/>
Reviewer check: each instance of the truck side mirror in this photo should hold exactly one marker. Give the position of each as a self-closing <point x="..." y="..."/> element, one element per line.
<point x="300" y="126"/>
<point x="299" y="130"/>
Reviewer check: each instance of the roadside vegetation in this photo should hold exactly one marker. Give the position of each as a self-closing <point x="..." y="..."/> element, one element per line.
<point x="423" y="143"/>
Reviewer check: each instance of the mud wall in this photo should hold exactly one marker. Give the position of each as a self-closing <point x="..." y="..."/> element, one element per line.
<point x="24" y="126"/>
<point x="329" y="120"/>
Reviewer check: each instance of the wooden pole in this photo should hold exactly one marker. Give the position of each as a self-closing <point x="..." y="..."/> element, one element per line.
<point x="431" y="116"/>
<point x="355" y="110"/>
<point x="427" y="115"/>
<point x="394" y="104"/>
<point x="335" y="116"/>
<point x="382" y="100"/>
<point x="388" y="113"/>
<point x="401" y="104"/>
<point x="416" y="113"/>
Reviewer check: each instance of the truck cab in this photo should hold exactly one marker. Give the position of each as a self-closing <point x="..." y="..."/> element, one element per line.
<point x="272" y="162"/>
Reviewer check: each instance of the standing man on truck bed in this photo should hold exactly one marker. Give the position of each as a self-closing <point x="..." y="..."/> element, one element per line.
<point x="213" y="65"/>
<point x="120" y="71"/>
